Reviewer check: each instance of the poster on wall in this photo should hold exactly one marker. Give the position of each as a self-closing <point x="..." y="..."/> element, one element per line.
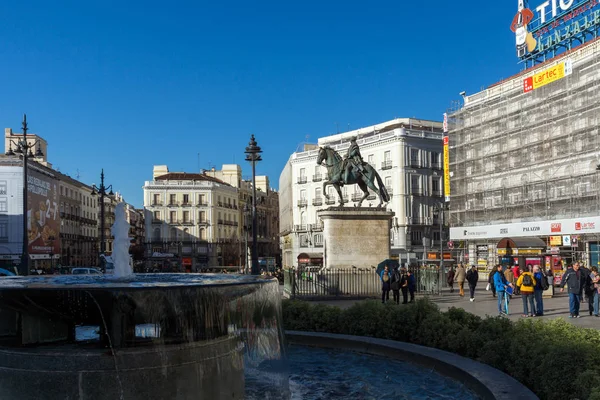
<point x="43" y="216"/>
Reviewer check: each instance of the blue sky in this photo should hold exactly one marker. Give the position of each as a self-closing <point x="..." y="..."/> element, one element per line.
<point x="125" y="85"/>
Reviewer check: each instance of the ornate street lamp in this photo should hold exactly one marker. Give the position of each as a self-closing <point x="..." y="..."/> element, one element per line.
<point x="253" y="155"/>
<point x="24" y="148"/>
<point x="102" y="192"/>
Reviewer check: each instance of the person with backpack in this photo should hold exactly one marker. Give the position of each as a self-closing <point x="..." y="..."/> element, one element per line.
<point x="526" y="283"/>
<point x="385" y="284"/>
<point x="541" y="284"/>
<point x="491" y="285"/>
<point x="472" y="278"/>
<point x="404" y="285"/>
<point x="395" y="285"/>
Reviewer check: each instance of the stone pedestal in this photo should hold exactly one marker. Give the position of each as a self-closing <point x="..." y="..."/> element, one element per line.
<point x="355" y="236"/>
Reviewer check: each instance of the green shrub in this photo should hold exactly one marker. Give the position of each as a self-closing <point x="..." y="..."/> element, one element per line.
<point x="554" y="359"/>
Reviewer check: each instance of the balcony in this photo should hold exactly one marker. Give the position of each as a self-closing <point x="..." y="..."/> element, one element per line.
<point x="302" y="180"/>
<point x="156" y="221"/>
<point x="300" y="228"/>
<point x="415" y="163"/>
<point x="316" y="227"/>
<point x="203" y="222"/>
<point x="186" y="204"/>
<point x="317" y="178"/>
<point x="416" y="192"/>
<point x="320" y="244"/>
<point x="202" y="204"/>
<point x="356" y="196"/>
<point x="387" y="164"/>
<point x="302" y="203"/>
<point x="157" y="204"/>
<point x="220" y="222"/>
<point x="173" y="204"/>
<point x="186" y="222"/>
<point x="318" y="201"/>
<point x="417" y="221"/>
<point x="436" y="165"/>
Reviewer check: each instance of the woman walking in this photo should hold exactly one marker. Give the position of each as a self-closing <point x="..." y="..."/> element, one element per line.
<point x="450" y="279"/>
<point x="385" y="284"/>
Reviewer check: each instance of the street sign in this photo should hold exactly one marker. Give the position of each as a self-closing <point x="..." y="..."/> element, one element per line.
<point x="450" y="245"/>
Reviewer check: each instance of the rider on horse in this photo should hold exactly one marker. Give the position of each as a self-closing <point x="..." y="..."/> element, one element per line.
<point x="352" y="159"/>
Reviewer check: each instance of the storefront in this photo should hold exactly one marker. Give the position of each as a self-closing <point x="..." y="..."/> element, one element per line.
<point x="310" y="260"/>
<point x="521" y="251"/>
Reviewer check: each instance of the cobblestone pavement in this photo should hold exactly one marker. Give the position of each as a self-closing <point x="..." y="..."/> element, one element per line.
<point x="485" y="304"/>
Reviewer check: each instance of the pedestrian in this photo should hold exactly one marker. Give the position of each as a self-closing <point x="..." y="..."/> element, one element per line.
<point x="450" y="279"/>
<point x="540" y="278"/>
<point x="472" y="278"/>
<point x="501" y="284"/>
<point x="404" y="285"/>
<point x="595" y="279"/>
<point x="491" y="281"/>
<point x="574" y="280"/>
<point x="395" y="285"/>
<point x="588" y="288"/>
<point x="516" y="273"/>
<point x="509" y="276"/>
<point x="461" y="275"/>
<point x="385" y="284"/>
<point x="412" y="285"/>
<point x="526" y="283"/>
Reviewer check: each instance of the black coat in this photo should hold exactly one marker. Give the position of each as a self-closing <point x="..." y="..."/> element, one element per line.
<point x="472" y="277"/>
<point x="574" y="282"/>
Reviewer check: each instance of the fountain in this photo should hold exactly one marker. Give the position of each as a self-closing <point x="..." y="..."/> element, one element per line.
<point x="137" y="336"/>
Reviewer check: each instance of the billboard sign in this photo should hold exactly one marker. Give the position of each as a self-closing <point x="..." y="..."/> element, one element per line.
<point x="43" y="216"/>
<point x="552" y="26"/>
<point x="446" y="169"/>
<point x="548" y="76"/>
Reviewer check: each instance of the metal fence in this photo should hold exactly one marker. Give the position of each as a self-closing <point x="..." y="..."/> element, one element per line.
<point x="313" y="283"/>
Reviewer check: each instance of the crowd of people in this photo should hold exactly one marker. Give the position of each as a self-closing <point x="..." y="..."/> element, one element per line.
<point x="505" y="282"/>
<point x="397" y="280"/>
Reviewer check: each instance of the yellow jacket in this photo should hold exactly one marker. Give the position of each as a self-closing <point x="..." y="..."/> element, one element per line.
<point x="526" y="289"/>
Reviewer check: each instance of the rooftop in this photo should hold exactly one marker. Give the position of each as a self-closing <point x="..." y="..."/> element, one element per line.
<point x="186" y="176"/>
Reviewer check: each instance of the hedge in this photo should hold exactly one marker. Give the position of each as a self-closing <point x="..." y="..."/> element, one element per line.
<point x="555" y="359"/>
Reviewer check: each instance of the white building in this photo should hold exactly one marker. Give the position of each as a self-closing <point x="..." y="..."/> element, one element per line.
<point x="11" y="213"/>
<point x="407" y="155"/>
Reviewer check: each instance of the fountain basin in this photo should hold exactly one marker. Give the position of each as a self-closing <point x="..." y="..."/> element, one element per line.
<point x="204" y="326"/>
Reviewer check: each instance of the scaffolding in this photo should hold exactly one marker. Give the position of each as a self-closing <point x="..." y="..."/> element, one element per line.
<point x="518" y="157"/>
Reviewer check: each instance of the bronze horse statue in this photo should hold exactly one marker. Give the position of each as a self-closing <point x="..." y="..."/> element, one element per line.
<point x="365" y="178"/>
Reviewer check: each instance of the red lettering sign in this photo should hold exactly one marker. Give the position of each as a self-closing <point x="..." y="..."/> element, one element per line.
<point x="528" y="84"/>
<point x="555" y="227"/>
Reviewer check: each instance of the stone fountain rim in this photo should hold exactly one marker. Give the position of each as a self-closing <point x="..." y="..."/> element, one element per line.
<point x="106" y="282"/>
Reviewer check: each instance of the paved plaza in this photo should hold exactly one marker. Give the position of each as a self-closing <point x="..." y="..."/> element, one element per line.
<point x="485" y="304"/>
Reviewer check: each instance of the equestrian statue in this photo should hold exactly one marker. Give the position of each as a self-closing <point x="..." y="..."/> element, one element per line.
<point x="349" y="171"/>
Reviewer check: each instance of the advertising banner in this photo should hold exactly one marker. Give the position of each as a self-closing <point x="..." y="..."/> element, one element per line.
<point x="558" y="228"/>
<point x="556" y="240"/>
<point x="446" y="169"/>
<point x="43" y="216"/>
<point x="548" y="76"/>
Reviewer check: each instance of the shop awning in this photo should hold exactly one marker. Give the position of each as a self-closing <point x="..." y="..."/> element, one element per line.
<point x="521" y="243"/>
<point x="310" y="257"/>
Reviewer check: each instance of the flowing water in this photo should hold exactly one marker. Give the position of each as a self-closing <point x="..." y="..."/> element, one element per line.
<point x="121" y="243"/>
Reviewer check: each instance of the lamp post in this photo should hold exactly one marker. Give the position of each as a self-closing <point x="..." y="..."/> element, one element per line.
<point x="253" y="155"/>
<point x="247" y="210"/>
<point x="102" y="192"/>
<point x="439" y="208"/>
<point x="24" y="148"/>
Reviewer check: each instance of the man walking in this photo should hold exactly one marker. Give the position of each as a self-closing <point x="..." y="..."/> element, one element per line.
<point x="461" y="274"/>
<point x="526" y="283"/>
<point x="472" y="278"/>
<point x="540" y="278"/>
<point x="573" y="278"/>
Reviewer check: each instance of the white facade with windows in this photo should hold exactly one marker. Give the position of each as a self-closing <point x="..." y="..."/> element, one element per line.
<point x="11" y="214"/>
<point x="407" y="155"/>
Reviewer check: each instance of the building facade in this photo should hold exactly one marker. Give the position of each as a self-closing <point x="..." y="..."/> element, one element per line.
<point x="407" y="155"/>
<point x="137" y="231"/>
<point x="524" y="164"/>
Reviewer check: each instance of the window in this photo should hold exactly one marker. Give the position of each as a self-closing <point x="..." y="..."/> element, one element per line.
<point x="3" y="188"/>
<point x="303" y="194"/>
<point x="435" y="159"/>
<point x="201" y="199"/>
<point x="186" y="199"/>
<point x="435" y="186"/>
<point x="202" y="234"/>
<point x="371" y="159"/>
<point x="173" y="217"/>
<point x="415" y="184"/>
<point x="388" y="181"/>
<point x="302" y="172"/>
<point x="414" y="157"/>
<point x="3" y="204"/>
<point x="3" y="231"/>
<point x="387" y="156"/>
<point x="416" y="237"/>
<point x="202" y="216"/>
<point x="319" y="239"/>
<point x="172" y="198"/>
<point x="156" y="215"/>
<point x="318" y="193"/>
<point x="156" y="234"/>
<point x="303" y="241"/>
<point x="186" y="216"/>
<point x="303" y="219"/>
